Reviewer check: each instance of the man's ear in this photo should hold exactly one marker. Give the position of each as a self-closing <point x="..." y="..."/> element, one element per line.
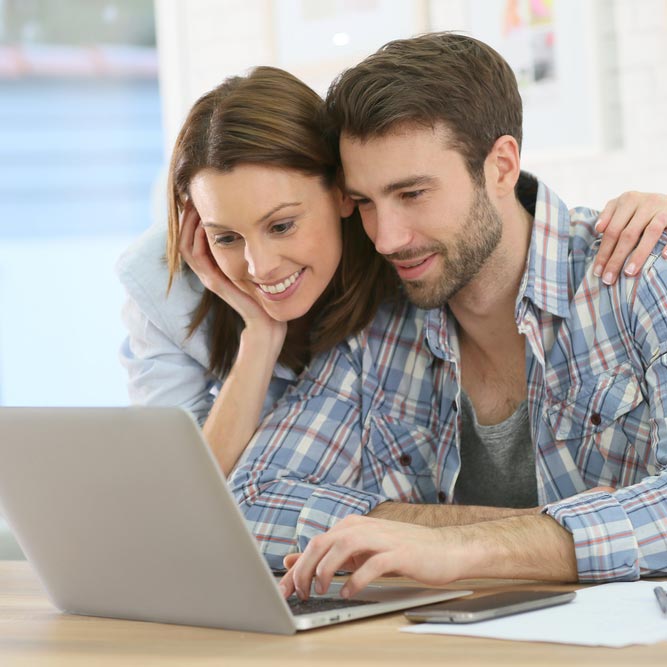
<point x="503" y="166"/>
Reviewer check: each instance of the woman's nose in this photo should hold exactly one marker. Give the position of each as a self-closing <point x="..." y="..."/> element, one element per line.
<point x="262" y="260"/>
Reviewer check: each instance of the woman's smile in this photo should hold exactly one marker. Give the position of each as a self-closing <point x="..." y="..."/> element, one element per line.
<point x="283" y="289"/>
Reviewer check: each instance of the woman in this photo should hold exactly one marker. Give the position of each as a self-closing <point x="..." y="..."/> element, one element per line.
<point x="255" y="211"/>
<point x="272" y="274"/>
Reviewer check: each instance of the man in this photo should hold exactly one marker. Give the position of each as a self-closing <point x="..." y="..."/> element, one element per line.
<point x="531" y="394"/>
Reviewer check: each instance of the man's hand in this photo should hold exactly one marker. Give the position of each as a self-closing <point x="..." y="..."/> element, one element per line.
<point x="372" y="548"/>
<point x="635" y="220"/>
<point x="525" y="547"/>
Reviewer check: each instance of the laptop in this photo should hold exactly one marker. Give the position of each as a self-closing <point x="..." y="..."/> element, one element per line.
<point x="124" y="513"/>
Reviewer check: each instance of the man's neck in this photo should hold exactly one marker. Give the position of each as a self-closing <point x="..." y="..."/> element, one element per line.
<point x="484" y="309"/>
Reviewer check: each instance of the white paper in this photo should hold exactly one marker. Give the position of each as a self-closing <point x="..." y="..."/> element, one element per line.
<point x="619" y="614"/>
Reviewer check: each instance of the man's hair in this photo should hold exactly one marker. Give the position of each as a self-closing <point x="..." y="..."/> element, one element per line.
<point x="437" y="78"/>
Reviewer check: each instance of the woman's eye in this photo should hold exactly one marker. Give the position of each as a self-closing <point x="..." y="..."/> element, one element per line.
<point x="282" y="227"/>
<point x="224" y="239"/>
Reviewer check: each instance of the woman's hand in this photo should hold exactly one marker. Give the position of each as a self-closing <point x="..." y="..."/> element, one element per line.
<point x="631" y="226"/>
<point x="195" y="250"/>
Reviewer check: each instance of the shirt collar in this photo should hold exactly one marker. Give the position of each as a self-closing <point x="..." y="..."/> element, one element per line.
<point x="545" y="281"/>
<point x="440" y="333"/>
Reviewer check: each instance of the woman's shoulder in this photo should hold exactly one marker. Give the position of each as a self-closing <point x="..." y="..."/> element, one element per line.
<point x="142" y="270"/>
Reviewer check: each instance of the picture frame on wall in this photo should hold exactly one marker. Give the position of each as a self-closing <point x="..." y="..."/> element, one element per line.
<point x="557" y="51"/>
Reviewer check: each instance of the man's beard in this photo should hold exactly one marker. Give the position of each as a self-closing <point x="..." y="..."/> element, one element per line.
<point x="462" y="259"/>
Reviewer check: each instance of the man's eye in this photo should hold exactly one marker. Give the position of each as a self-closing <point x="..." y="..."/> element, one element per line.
<point x="282" y="227"/>
<point x="413" y="194"/>
<point x="361" y="201"/>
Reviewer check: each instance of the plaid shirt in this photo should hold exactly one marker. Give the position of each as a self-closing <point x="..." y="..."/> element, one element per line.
<point x="377" y="418"/>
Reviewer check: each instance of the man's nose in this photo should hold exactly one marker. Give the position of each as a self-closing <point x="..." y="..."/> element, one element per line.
<point x="391" y="234"/>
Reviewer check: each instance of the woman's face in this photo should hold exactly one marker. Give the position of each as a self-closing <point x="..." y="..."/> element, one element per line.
<point x="274" y="232"/>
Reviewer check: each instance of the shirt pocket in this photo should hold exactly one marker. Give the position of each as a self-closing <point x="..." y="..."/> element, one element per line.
<point x="592" y="423"/>
<point x="400" y="459"/>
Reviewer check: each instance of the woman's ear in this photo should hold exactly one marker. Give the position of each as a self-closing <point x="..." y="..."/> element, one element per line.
<point x="346" y="206"/>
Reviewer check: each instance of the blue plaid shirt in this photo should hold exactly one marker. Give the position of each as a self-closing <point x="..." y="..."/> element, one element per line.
<point x="377" y="418"/>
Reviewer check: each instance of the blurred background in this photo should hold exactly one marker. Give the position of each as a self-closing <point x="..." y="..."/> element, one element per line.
<point x="81" y="144"/>
<point x="92" y="93"/>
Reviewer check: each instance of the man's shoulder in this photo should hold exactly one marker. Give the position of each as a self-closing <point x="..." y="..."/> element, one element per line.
<point x="642" y="294"/>
<point x="584" y="238"/>
<point x="396" y="322"/>
<point x="583" y="243"/>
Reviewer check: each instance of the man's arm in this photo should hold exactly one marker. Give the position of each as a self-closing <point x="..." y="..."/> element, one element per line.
<point x="434" y="516"/>
<point x="623" y="535"/>
<point x="527" y="547"/>
<point x="301" y="472"/>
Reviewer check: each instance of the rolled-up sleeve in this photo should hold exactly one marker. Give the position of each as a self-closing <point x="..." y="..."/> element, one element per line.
<point x="302" y="471"/>
<point x="623" y="535"/>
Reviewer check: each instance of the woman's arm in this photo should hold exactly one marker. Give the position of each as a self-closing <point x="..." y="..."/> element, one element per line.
<point x="159" y="371"/>
<point x="236" y="411"/>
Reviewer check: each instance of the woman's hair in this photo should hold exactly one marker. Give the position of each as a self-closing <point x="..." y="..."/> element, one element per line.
<point x="271" y="118"/>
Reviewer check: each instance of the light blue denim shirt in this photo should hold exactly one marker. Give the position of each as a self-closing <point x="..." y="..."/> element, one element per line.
<point x="166" y="366"/>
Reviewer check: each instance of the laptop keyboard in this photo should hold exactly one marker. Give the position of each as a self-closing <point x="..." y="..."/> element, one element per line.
<point x="315" y="604"/>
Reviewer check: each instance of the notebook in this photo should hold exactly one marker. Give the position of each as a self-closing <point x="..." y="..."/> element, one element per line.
<point x="124" y="513"/>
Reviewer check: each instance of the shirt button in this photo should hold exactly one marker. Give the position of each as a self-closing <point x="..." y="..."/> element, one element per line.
<point x="442" y="496"/>
<point x="596" y="420"/>
<point x="405" y="459"/>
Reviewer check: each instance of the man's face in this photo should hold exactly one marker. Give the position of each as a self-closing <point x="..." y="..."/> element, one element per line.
<point x="421" y="209"/>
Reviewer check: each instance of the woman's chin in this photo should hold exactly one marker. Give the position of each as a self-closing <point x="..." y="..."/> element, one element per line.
<point x="288" y="313"/>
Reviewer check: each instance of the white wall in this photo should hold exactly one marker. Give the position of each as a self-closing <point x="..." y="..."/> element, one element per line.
<point x="200" y="43"/>
<point x="639" y="29"/>
<point x="203" y="41"/>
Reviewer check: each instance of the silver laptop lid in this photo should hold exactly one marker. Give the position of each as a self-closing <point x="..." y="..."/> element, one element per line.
<point x="103" y="504"/>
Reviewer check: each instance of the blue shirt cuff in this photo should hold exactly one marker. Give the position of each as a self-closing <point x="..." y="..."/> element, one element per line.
<point x="604" y="540"/>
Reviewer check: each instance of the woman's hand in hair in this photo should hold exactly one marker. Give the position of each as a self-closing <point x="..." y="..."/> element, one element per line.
<point x="195" y="250"/>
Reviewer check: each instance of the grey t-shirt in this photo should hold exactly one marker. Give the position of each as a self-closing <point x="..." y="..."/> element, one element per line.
<point x="497" y="461"/>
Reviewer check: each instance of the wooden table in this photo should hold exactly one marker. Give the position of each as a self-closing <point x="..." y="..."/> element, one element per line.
<point x="34" y="633"/>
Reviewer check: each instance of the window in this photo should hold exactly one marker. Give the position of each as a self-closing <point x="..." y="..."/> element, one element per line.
<point x="80" y="152"/>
